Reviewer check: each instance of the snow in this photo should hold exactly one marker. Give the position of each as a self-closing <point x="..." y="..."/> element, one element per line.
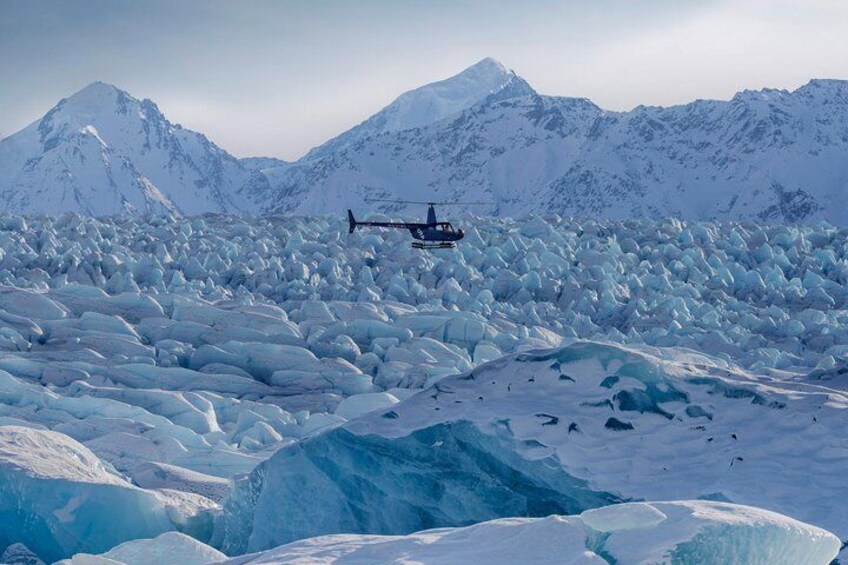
<point x="685" y="532"/>
<point x="42" y="454"/>
<point x="355" y="406"/>
<point x="584" y="426"/>
<point x="170" y="547"/>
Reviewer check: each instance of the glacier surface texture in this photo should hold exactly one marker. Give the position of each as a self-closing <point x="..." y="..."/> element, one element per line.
<point x="240" y="384"/>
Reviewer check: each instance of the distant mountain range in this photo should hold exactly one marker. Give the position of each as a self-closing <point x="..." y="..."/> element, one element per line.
<point x="484" y="134"/>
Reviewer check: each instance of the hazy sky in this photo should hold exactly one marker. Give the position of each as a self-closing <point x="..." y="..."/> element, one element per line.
<point x="278" y="77"/>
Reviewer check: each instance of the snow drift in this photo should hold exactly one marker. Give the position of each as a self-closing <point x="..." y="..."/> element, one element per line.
<point x="666" y="532"/>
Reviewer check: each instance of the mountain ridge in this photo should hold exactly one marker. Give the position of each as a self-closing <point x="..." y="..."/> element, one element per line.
<point x="768" y="155"/>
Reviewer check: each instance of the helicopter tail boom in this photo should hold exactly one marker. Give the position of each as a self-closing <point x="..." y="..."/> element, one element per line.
<point x="351" y="221"/>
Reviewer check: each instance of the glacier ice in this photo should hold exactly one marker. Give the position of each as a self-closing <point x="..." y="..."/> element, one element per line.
<point x="185" y="352"/>
<point x="57" y="498"/>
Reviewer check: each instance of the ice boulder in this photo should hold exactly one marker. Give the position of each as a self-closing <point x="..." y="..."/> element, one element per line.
<point x="30" y="304"/>
<point x="57" y="498"/>
<point x="707" y="532"/>
<point x="19" y="554"/>
<point x="666" y="532"/>
<point x="357" y="405"/>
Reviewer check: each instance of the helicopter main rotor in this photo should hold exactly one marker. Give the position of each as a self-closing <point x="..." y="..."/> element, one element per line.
<point x="445" y="203"/>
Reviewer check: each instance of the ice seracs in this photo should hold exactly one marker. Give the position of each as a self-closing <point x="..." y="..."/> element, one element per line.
<point x="185" y="352"/>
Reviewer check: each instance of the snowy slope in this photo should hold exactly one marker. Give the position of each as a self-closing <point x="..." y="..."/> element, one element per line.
<point x="676" y="532"/>
<point x="556" y="431"/>
<point x="101" y="151"/>
<point x="767" y="156"/>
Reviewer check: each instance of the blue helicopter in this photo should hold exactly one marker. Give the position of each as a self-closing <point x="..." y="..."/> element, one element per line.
<point x="431" y="234"/>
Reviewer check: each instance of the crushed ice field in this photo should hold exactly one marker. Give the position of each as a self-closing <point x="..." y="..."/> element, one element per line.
<point x="190" y="375"/>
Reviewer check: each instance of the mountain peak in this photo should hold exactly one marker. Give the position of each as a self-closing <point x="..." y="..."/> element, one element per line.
<point x="97" y="101"/>
<point x="96" y="92"/>
<point x="434" y="102"/>
<point x="95" y="87"/>
<point x="487" y="66"/>
<point x="465" y="88"/>
<point x="103" y="151"/>
<point x="442" y="99"/>
<point x="99" y="104"/>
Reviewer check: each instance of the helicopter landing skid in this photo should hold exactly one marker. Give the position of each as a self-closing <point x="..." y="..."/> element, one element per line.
<point x="433" y="245"/>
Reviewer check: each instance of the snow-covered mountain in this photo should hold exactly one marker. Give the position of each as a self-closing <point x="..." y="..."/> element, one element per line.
<point x="769" y="155"/>
<point x="484" y="134"/>
<point x="102" y="152"/>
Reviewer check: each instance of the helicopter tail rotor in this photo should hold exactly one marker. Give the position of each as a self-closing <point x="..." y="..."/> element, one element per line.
<point x="351" y="221"/>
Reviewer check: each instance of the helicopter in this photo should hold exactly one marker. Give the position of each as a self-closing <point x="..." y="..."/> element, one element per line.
<point x="431" y="234"/>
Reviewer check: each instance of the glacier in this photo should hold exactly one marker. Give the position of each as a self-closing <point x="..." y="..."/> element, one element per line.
<point x="188" y="357"/>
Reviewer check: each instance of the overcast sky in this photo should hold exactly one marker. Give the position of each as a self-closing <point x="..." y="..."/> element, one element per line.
<point x="279" y="77"/>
